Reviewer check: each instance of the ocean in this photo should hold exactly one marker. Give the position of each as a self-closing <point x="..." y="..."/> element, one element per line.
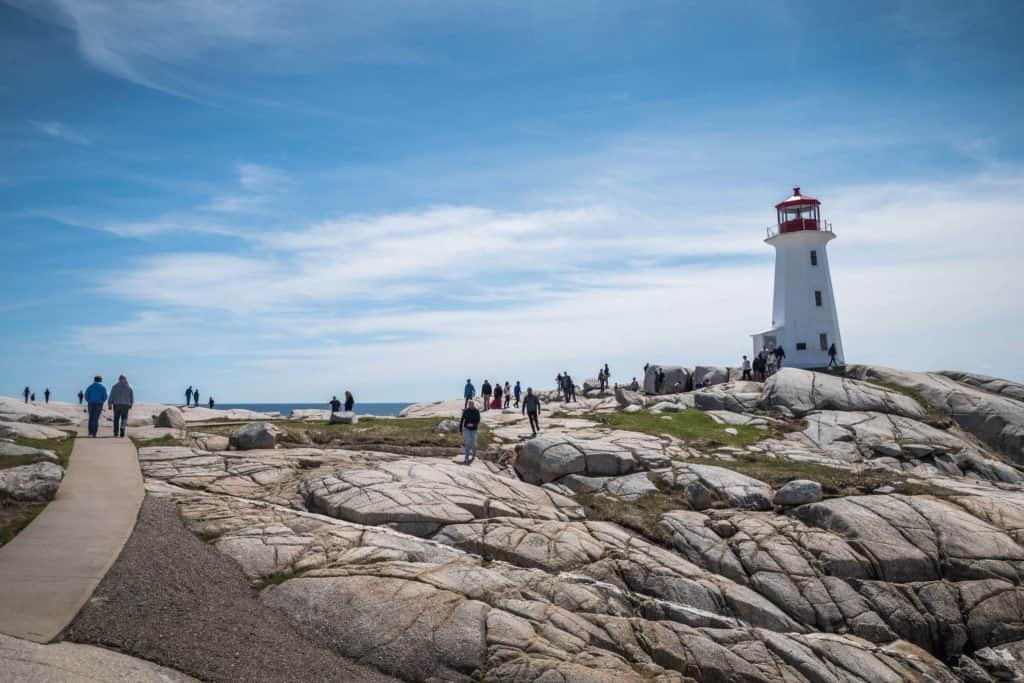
<point x="287" y="408"/>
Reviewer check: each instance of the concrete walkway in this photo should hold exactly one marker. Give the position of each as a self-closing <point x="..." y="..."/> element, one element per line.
<point x="52" y="567"/>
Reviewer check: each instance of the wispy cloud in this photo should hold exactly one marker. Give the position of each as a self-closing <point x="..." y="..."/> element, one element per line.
<point x="58" y="130"/>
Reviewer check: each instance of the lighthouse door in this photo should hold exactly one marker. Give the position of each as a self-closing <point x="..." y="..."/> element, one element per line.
<point x="769" y="342"/>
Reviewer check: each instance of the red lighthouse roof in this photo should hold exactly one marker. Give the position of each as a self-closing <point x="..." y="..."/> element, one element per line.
<point x="797" y="198"/>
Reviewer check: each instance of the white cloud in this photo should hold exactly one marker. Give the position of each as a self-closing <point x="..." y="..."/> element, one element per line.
<point x="56" y="129"/>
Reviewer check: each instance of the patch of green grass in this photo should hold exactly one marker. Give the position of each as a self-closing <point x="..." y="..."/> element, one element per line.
<point x="15" y="517"/>
<point x="933" y="415"/>
<point x="276" y="579"/>
<point x="62" y="447"/>
<point x="641" y="515"/>
<point x="691" y="425"/>
<point x="165" y="440"/>
<point x="372" y="432"/>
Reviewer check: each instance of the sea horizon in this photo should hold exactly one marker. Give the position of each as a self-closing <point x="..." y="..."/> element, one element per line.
<point x="285" y="408"/>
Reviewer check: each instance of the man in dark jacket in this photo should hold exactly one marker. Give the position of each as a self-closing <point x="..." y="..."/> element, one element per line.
<point x="531" y="407"/>
<point x="122" y="398"/>
<point x="485" y="391"/>
<point x="832" y="356"/>
<point x="468" y="426"/>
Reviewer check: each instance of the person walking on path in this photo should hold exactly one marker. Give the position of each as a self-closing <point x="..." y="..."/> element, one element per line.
<point x="469" y="393"/>
<point x="188" y="396"/>
<point x="122" y="398"/>
<point x="832" y="363"/>
<point x="746" y="368"/>
<point x="211" y="402"/>
<point x="81" y="396"/>
<point x="485" y="391"/>
<point x="46" y="395"/>
<point x="335" y="404"/>
<point x="195" y="397"/>
<point x="468" y="426"/>
<point x="350" y="402"/>
<point x="517" y="392"/>
<point x="531" y="407"/>
<point x="26" y="393"/>
<point x="95" y="397"/>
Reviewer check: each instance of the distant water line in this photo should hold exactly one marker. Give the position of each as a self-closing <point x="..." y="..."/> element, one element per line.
<point x="286" y="408"/>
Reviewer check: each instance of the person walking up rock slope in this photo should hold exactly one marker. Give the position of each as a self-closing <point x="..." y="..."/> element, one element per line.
<point x="531" y="407"/>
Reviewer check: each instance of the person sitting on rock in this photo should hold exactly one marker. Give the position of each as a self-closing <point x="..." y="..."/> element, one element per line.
<point x="350" y="402"/>
<point x="469" y="393"/>
<point x="468" y="426"/>
<point x="531" y="407"/>
<point x="335" y="404"/>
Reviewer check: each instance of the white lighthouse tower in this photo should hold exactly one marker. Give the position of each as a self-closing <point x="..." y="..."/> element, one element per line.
<point x="804" y="320"/>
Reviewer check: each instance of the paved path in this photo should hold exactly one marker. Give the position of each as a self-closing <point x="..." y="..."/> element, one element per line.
<point x="73" y="663"/>
<point x="52" y="567"/>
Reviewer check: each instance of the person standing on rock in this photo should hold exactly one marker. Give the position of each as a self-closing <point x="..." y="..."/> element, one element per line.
<point x="195" y="397"/>
<point x="26" y="393"/>
<point x="350" y="402"/>
<point x="95" y="397"/>
<point x="469" y="393"/>
<point x="780" y="353"/>
<point x="746" y="368"/>
<point x="122" y="398"/>
<point x="33" y="397"/>
<point x="570" y="388"/>
<point x="485" y="391"/>
<point x="497" y="396"/>
<point x="468" y="426"/>
<point x="46" y="395"/>
<point x="81" y="396"/>
<point x="531" y="407"/>
<point x="507" y="394"/>
<point x="634" y="385"/>
<point x="518" y="392"/>
<point x="559" y="387"/>
<point x="211" y="402"/>
<point x="832" y="363"/>
<point x="607" y="376"/>
<point x="188" y="396"/>
<point x="335" y="404"/>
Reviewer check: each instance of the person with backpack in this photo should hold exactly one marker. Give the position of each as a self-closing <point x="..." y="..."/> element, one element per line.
<point x="468" y="427"/>
<point x="122" y="398"/>
<point x="485" y="391"/>
<point x="469" y="393"/>
<point x="531" y="407"/>
<point x="95" y="397"/>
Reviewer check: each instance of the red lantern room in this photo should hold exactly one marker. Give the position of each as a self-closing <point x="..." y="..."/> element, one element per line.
<point x="799" y="213"/>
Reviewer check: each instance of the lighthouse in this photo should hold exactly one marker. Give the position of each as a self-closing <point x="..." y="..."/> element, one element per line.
<point x="804" y="319"/>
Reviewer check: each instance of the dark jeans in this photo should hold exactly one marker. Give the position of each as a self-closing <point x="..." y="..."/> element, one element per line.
<point x="120" y="419"/>
<point x="746" y="374"/>
<point x="94" y="418"/>
<point x="534" y="422"/>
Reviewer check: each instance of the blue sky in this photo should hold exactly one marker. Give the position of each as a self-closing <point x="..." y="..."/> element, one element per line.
<point x="278" y="201"/>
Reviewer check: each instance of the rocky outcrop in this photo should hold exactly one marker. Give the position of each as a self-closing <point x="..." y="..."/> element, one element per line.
<point x="344" y="418"/>
<point x="994" y="416"/>
<point x="802" y="391"/>
<point x="798" y="492"/>
<point x="549" y="457"/>
<point x="709" y="374"/>
<point x="676" y="379"/>
<point x="705" y="485"/>
<point x="35" y="483"/>
<point x="256" y="435"/>
<point x="27" y="430"/>
<point x="13" y="450"/>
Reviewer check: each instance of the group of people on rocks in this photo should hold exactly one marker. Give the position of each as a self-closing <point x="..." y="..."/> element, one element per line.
<point x="120" y="399"/>
<point x="565" y="387"/>
<point x="493" y="396"/>
<point x="192" y="396"/>
<point x="31" y="395"/>
<point x="335" y="404"/>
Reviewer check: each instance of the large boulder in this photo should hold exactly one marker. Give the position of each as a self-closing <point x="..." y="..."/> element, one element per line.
<point x="802" y="391"/>
<point x="28" y="430"/>
<point x="704" y="485"/>
<point x="798" y="492"/>
<point x="344" y="418"/>
<point x="170" y="417"/>
<point x="677" y="379"/>
<point x="37" y="482"/>
<point x="256" y="435"/>
<point x="626" y="398"/>
<point x="551" y="456"/>
<point x="714" y="373"/>
<point x="13" y="450"/>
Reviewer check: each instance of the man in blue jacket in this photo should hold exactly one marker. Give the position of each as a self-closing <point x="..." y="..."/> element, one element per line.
<point x="95" y="397"/>
<point x="469" y="393"/>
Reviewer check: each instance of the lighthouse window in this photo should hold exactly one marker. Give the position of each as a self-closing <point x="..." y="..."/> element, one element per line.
<point x="823" y="340"/>
<point x="801" y="346"/>
<point x="817" y="297"/>
<point x="814" y="257"/>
